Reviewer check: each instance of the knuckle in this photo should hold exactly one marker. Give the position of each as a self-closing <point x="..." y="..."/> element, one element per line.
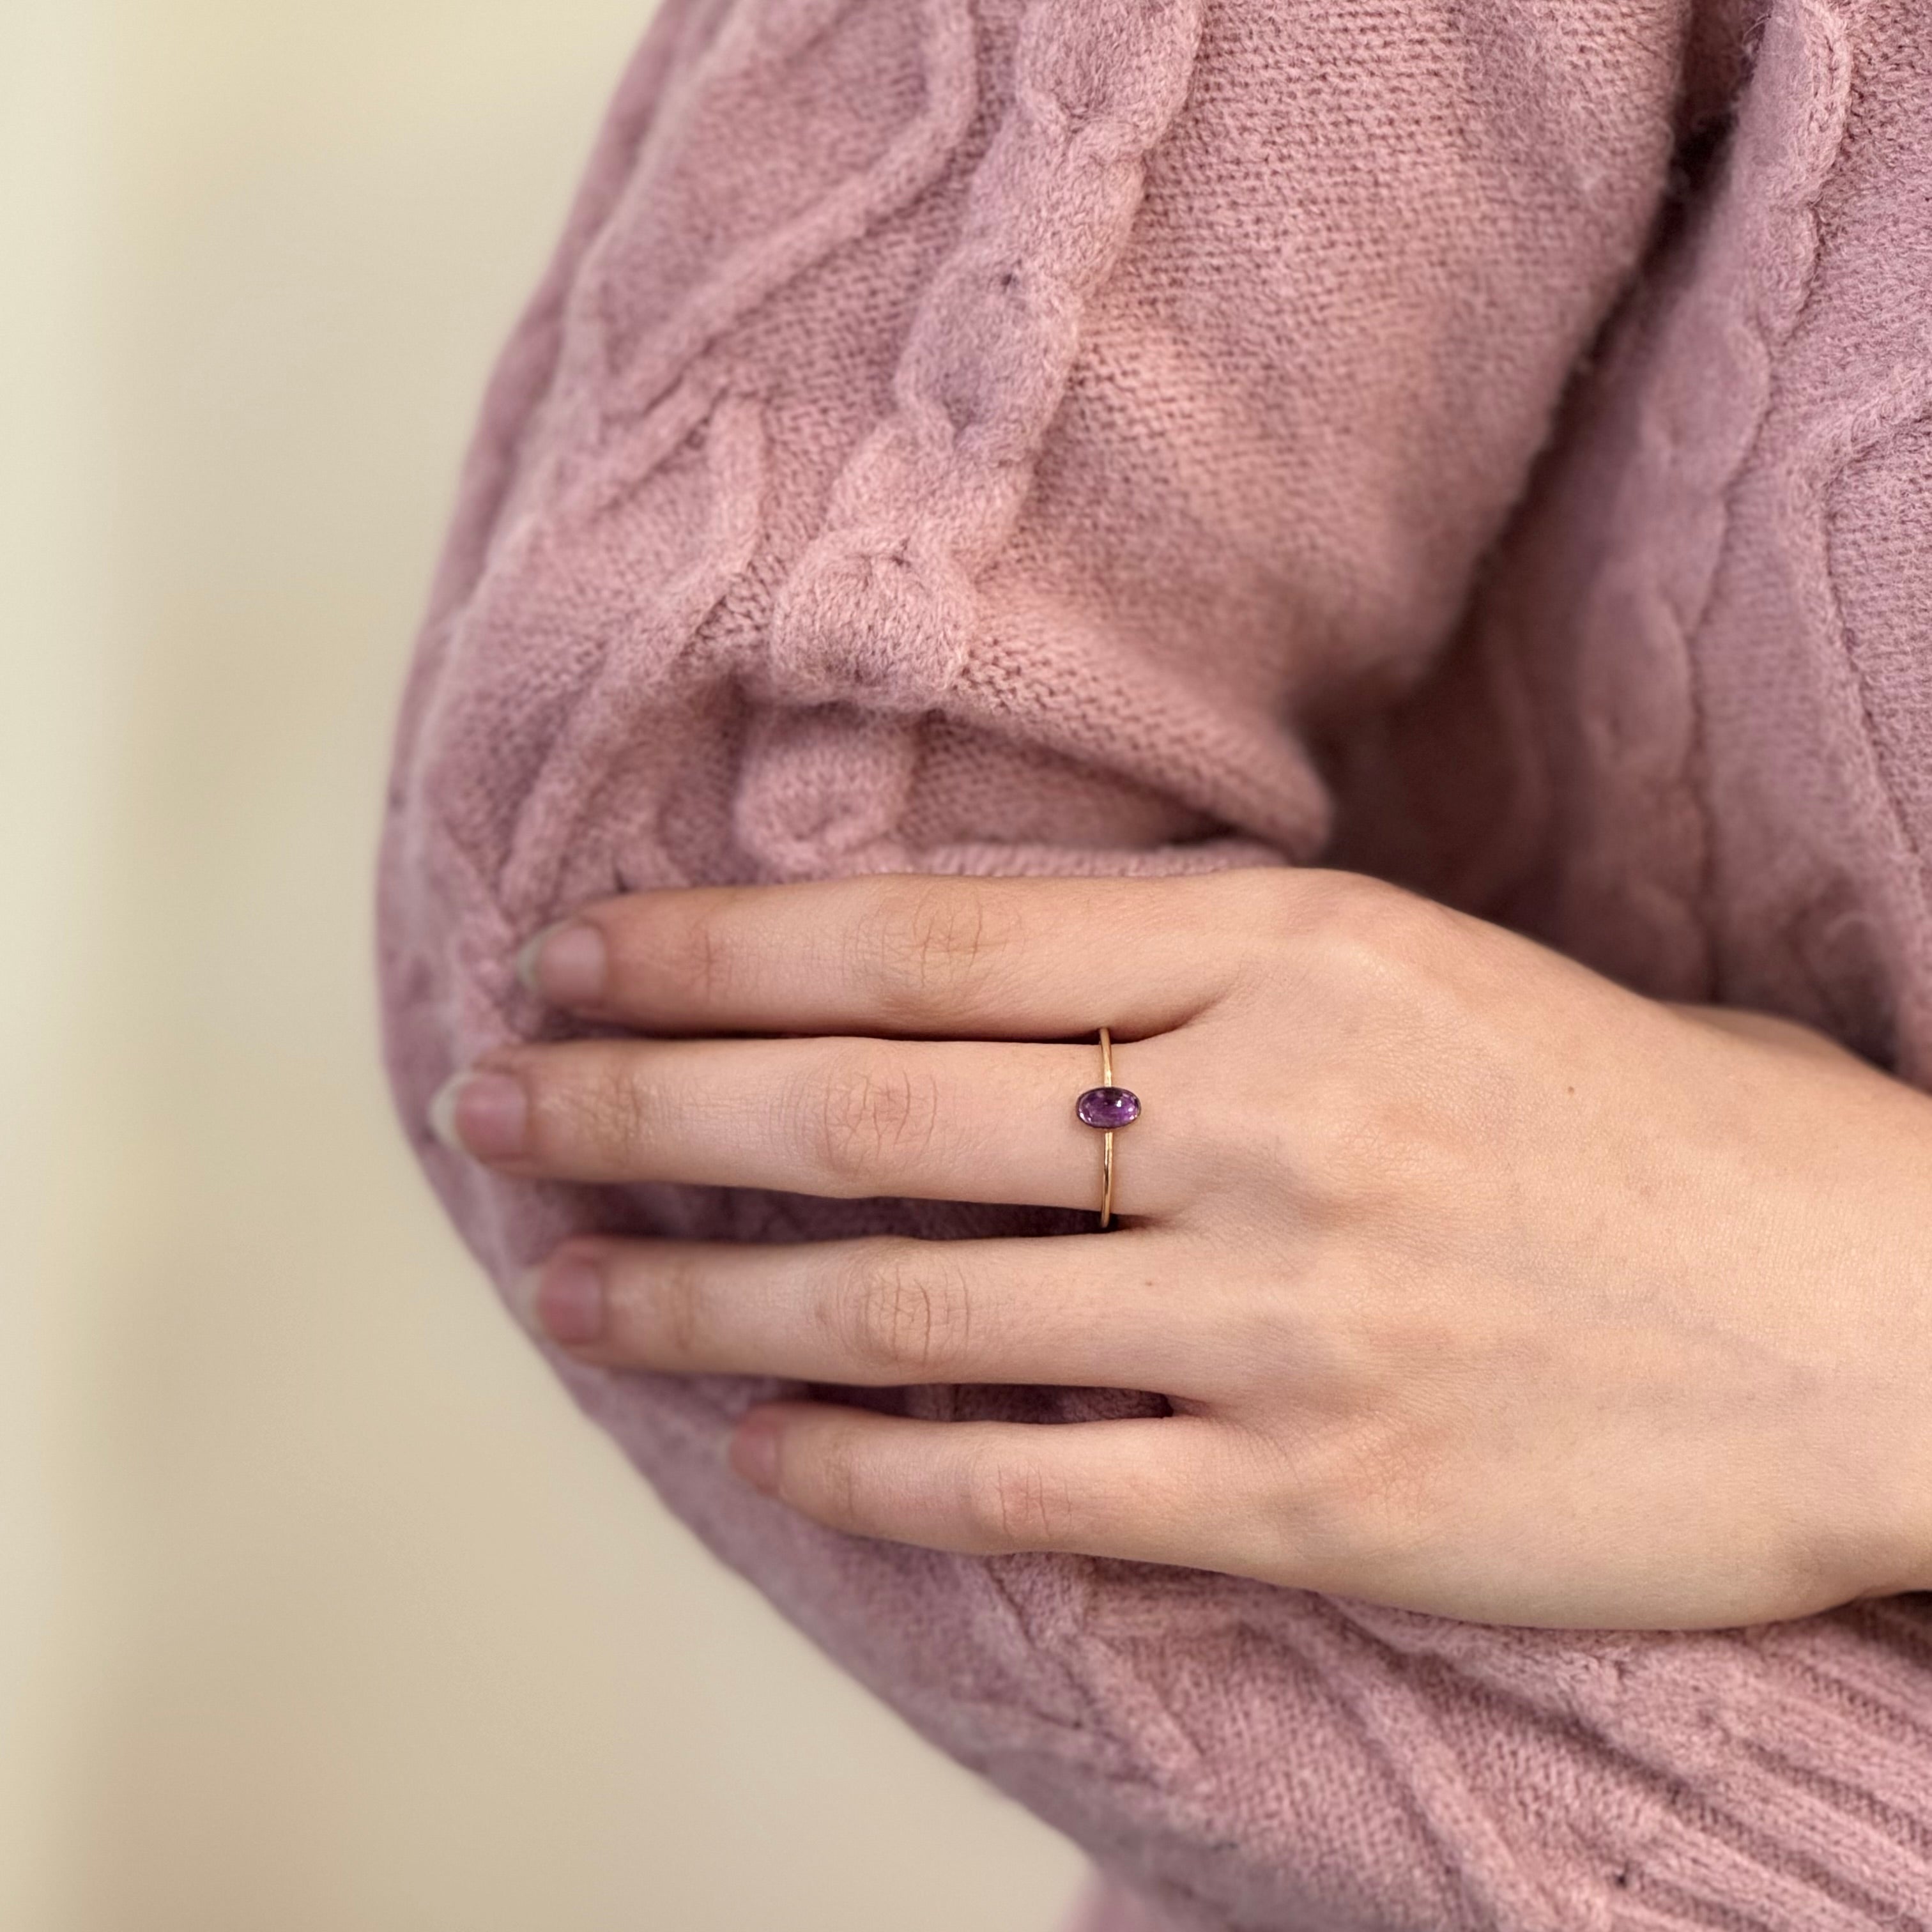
<point x="687" y="946"/>
<point x="900" y="1310"/>
<point x="1300" y="898"/>
<point x="1363" y="942"/>
<point x="1369" y="929"/>
<point x="678" y="1315"/>
<point x="866" y="1117"/>
<point x="700" y="955"/>
<point x="933" y="946"/>
<point x="1346" y="924"/>
<point x="1260" y="899"/>
<point x="1367" y="1493"/>
<point x="704" y="947"/>
<point x="600" y="1111"/>
<point x="1009" y="1505"/>
<point x="834" y="1484"/>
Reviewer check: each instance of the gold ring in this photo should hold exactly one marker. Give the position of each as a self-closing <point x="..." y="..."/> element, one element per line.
<point x="1109" y="1108"/>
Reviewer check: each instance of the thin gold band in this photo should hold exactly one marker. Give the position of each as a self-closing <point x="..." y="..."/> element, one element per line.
<point x="1107" y="1137"/>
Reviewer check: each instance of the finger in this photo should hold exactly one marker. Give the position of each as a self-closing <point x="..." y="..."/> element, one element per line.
<point x="1151" y="1490"/>
<point x="906" y="954"/>
<point x="885" y="1311"/>
<point x="933" y="1120"/>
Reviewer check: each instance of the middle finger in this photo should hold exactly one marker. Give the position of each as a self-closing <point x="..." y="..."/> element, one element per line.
<point x="887" y="1310"/>
<point x="932" y="1120"/>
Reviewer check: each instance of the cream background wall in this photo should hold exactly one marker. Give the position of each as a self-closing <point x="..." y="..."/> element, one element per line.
<point x="319" y="1610"/>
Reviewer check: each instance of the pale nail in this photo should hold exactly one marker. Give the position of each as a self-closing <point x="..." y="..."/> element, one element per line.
<point x="567" y="964"/>
<point x="566" y="1301"/>
<point x="754" y="1452"/>
<point x="486" y="1115"/>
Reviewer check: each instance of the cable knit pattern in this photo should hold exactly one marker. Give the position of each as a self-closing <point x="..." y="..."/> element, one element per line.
<point x="880" y="607"/>
<point x="1486" y="442"/>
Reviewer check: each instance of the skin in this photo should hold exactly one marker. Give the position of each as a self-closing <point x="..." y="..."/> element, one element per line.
<point x="1478" y="1285"/>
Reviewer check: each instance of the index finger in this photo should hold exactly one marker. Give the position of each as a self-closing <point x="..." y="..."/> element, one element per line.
<point x="900" y="954"/>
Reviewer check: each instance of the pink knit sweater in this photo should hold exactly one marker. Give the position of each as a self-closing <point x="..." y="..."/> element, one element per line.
<point x="1487" y="442"/>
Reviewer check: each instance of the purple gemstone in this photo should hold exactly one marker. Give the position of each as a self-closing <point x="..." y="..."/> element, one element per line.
<point x="1108" y="1107"/>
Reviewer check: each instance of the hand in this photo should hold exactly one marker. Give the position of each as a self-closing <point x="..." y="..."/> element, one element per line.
<point x="1477" y="1284"/>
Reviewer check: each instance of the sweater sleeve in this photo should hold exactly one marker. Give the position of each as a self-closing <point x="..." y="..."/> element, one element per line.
<point x="1015" y="437"/>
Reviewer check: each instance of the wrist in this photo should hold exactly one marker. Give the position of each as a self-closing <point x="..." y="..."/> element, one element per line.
<point x="1903" y="1560"/>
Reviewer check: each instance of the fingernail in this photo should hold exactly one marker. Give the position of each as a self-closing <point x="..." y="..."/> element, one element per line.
<point x="567" y="964"/>
<point x="482" y="1115"/>
<point x="565" y="1299"/>
<point x="754" y="1452"/>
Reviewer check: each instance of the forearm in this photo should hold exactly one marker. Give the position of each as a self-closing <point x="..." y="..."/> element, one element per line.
<point x="887" y="501"/>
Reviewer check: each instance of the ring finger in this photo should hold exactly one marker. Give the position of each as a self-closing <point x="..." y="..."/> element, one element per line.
<point x="933" y="1120"/>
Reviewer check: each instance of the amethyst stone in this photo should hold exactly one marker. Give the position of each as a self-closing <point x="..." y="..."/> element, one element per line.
<point x="1108" y="1107"/>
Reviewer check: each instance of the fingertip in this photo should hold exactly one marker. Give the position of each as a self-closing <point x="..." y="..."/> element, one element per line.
<point x="566" y="1300"/>
<point x="568" y="963"/>
<point x="526" y="961"/>
<point x="753" y="1452"/>
<point x="441" y="1112"/>
<point x="481" y="1111"/>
